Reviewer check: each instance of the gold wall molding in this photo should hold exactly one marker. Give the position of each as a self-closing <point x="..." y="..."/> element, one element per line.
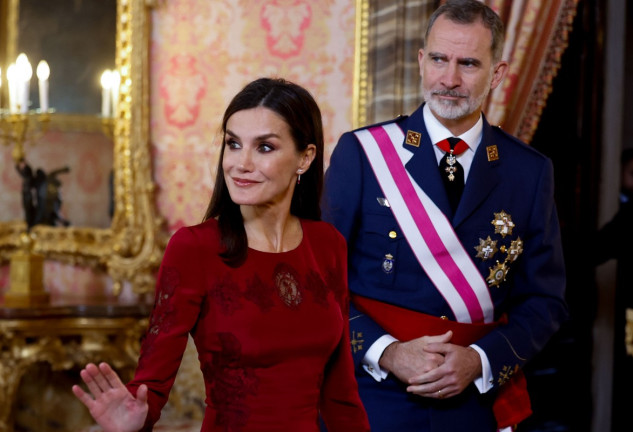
<point x="362" y="88"/>
<point x="131" y="249"/>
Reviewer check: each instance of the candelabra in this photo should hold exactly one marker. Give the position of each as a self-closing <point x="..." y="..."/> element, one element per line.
<point x="26" y="266"/>
<point x="17" y="128"/>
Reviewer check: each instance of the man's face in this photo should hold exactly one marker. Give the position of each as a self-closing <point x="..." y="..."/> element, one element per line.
<point x="457" y="72"/>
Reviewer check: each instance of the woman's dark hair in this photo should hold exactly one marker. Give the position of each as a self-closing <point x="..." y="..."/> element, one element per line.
<point x="303" y="116"/>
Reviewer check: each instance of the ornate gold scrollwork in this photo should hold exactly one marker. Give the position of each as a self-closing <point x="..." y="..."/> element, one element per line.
<point x="64" y="342"/>
<point x="131" y="249"/>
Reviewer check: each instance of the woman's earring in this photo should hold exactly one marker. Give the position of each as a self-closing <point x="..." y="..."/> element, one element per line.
<point x="299" y="178"/>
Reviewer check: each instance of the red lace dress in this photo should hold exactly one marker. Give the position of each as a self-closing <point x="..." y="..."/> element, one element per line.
<point x="272" y="335"/>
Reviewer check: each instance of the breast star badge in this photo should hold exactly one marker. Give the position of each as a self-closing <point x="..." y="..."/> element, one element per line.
<point x="497" y="274"/>
<point x="503" y="223"/>
<point x="486" y="249"/>
<point x="515" y="249"/>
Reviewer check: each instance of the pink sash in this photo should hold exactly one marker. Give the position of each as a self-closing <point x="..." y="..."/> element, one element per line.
<point x="427" y="230"/>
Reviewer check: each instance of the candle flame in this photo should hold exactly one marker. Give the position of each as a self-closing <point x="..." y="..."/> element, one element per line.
<point x="43" y="70"/>
<point x="106" y="79"/>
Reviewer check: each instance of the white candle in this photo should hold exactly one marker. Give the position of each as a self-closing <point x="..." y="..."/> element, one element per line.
<point x="106" y="83"/>
<point x="13" y="88"/>
<point x="43" y="72"/>
<point x="25" y="72"/>
<point x="116" y="84"/>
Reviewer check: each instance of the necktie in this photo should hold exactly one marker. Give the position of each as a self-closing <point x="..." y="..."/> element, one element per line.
<point x="451" y="171"/>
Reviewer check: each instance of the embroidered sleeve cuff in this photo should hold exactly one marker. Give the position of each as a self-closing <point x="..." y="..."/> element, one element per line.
<point x="484" y="382"/>
<point x="372" y="357"/>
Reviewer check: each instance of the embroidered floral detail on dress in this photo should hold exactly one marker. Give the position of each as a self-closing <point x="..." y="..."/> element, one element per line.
<point x="231" y="384"/>
<point x="226" y="294"/>
<point x="161" y="317"/>
<point x="259" y="293"/>
<point x="285" y="278"/>
<point x="318" y="288"/>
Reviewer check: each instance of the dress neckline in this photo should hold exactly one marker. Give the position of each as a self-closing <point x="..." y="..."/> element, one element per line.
<point x="303" y="238"/>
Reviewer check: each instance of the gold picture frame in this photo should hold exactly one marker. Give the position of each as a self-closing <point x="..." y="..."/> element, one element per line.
<point x="130" y="250"/>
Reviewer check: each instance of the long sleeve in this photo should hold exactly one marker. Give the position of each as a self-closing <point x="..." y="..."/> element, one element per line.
<point x="176" y="308"/>
<point x="535" y="304"/>
<point x="341" y="407"/>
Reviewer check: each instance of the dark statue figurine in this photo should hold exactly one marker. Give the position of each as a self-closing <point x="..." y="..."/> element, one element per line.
<point x="41" y="197"/>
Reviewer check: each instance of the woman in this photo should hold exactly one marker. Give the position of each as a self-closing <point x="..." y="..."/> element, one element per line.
<point x="260" y="285"/>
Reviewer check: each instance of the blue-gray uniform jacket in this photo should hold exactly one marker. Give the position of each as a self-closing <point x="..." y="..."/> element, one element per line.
<point x="507" y="176"/>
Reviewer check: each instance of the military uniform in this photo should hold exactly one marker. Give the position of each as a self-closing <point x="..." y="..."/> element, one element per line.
<point x="507" y="222"/>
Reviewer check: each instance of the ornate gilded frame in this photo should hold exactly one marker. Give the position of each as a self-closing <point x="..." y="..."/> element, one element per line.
<point x="131" y="249"/>
<point x="362" y="81"/>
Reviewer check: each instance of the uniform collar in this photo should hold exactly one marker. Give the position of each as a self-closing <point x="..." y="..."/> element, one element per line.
<point x="437" y="132"/>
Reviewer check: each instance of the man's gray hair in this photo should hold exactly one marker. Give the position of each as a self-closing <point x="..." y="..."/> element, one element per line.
<point x="468" y="12"/>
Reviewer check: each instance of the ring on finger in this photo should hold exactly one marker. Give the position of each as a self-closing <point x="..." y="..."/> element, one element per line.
<point x="439" y="394"/>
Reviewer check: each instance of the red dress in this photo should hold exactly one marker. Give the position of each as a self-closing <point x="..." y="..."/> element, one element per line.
<point x="272" y="335"/>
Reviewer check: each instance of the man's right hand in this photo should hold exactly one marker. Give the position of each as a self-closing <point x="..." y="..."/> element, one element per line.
<point x="409" y="359"/>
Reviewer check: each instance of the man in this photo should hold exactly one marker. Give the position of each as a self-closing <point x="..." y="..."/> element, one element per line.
<point x="449" y="303"/>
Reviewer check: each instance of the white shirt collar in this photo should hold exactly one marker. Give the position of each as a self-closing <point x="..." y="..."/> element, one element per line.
<point x="437" y="131"/>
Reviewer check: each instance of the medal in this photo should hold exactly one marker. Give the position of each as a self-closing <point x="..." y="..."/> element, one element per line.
<point x="503" y="223"/>
<point x="497" y="274"/>
<point x="387" y="264"/>
<point x="515" y="249"/>
<point x="451" y="168"/>
<point x="486" y="249"/>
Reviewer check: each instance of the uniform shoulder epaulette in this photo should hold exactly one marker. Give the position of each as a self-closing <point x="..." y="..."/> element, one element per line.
<point x="519" y="144"/>
<point x="508" y="135"/>
<point x="398" y="119"/>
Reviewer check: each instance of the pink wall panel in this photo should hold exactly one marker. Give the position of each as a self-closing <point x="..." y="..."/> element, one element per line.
<point x="202" y="53"/>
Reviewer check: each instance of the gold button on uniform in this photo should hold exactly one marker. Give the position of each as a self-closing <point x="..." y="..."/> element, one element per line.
<point x="393" y="234"/>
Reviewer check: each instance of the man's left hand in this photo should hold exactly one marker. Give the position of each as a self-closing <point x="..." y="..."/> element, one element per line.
<point x="461" y="366"/>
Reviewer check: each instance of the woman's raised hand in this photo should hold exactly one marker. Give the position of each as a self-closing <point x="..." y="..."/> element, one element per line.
<point x="110" y="403"/>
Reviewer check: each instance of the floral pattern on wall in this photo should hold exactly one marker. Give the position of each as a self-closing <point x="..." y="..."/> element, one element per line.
<point x="203" y="52"/>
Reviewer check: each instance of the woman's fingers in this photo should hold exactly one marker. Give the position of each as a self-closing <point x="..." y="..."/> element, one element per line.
<point x="82" y="396"/>
<point x="110" y="376"/>
<point x="88" y="375"/>
<point x="100" y="379"/>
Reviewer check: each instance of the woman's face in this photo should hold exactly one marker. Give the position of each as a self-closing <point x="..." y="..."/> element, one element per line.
<point x="261" y="162"/>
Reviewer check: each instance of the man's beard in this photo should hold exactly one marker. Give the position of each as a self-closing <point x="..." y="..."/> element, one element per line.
<point x="452" y="109"/>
